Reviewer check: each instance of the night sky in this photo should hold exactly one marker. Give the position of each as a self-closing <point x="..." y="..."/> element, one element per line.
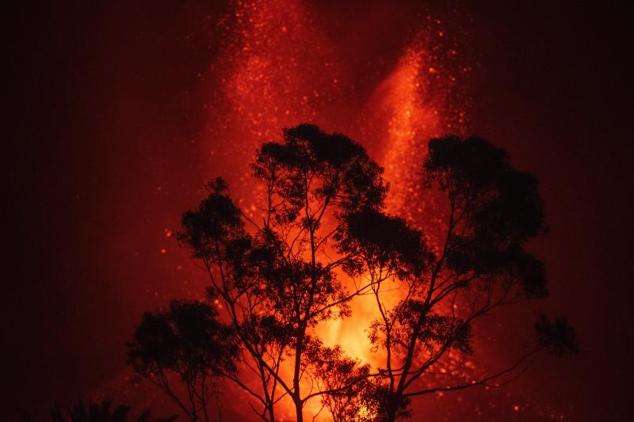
<point x="118" y="120"/>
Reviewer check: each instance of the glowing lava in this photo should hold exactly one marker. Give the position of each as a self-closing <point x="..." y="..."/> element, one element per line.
<point x="277" y="69"/>
<point x="411" y="118"/>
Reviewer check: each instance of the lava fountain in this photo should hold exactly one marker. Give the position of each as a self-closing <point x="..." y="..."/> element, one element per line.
<point x="277" y="69"/>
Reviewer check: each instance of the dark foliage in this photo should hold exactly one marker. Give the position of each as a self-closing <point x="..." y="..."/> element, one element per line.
<point x="98" y="411"/>
<point x="385" y="240"/>
<point x="188" y="341"/>
<point x="279" y="273"/>
<point x="557" y="336"/>
<point x="496" y="210"/>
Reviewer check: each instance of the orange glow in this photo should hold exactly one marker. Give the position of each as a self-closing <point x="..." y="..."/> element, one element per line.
<point x="277" y="70"/>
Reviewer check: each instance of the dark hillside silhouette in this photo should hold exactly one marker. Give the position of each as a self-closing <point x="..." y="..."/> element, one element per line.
<point x="98" y="411"/>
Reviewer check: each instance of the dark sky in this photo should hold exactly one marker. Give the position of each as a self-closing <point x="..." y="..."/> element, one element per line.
<point x="105" y="100"/>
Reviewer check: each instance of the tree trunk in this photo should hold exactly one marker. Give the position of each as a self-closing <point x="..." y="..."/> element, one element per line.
<point x="391" y="412"/>
<point x="271" y="413"/>
<point x="299" y="414"/>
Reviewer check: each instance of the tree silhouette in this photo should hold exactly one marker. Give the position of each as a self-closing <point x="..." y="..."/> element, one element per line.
<point x="276" y="279"/>
<point x="478" y="265"/>
<point x="320" y="238"/>
<point x="186" y="340"/>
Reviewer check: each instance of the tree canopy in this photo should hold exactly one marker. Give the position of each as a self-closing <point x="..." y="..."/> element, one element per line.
<point x="322" y="238"/>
